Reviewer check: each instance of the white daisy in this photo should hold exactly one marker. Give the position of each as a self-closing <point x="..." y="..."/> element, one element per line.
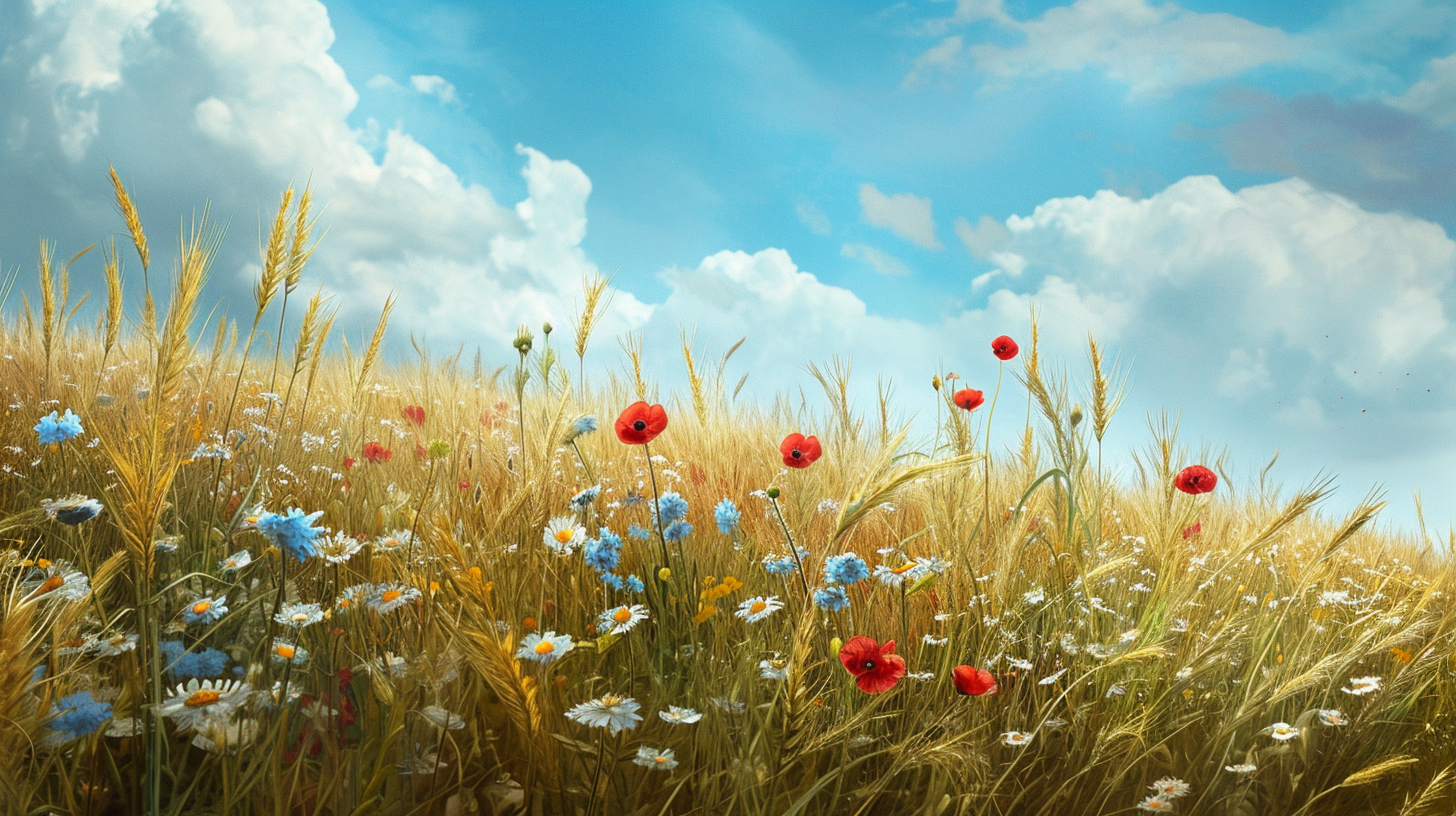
<point x="236" y="561"/>
<point x="114" y="645"/>
<point x="1170" y="787"/>
<point x="679" y="716"/>
<point x="1282" y="731"/>
<point x="1362" y="685"/>
<point x="389" y="597"/>
<point x="1332" y="716"/>
<point x="338" y="548"/>
<point x="201" y="703"/>
<point x="931" y="640"/>
<point x="1052" y="678"/>
<point x="225" y="737"/>
<point x="299" y="615"/>
<point x="544" y="648"/>
<point x="1018" y="663"/>
<point x="1016" y="738"/>
<point x="775" y="669"/>
<point x="285" y="652"/>
<point x="1156" y="804"/>
<point x="621" y="619"/>
<point x="394" y="542"/>
<point x="657" y="759"/>
<point x="757" y="608"/>
<point x="608" y="711"/>
<point x="563" y="535"/>
<point x="1242" y="768"/>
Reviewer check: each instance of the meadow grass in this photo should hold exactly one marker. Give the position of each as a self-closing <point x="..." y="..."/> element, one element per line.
<point x="1235" y="649"/>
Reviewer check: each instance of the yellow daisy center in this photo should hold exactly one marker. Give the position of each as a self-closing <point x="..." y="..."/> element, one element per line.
<point x="564" y="536"/>
<point x="758" y="606"/>
<point x="622" y="615"/>
<point x="545" y="647"/>
<point x="300" y="616"/>
<point x="285" y="652"/>
<point x="200" y="607"/>
<point x="204" y="697"/>
<point x="659" y="760"/>
<point x="391" y="595"/>
<point x="51" y="584"/>
<point x="903" y="568"/>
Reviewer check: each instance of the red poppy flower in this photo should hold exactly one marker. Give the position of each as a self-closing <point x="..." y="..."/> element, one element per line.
<point x="1195" y="479"/>
<point x="1193" y="529"/>
<point x="641" y="423"/>
<point x="348" y="462"/>
<point x="875" y="668"/>
<point x="969" y="398"/>
<point x="414" y="413"/>
<point x="420" y="452"/>
<point x="973" y="681"/>
<point x="376" y="453"/>
<point x="1004" y="347"/>
<point x="799" y="451"/>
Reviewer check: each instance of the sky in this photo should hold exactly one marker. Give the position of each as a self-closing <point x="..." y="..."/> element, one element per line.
<point x="1248" y="204"/>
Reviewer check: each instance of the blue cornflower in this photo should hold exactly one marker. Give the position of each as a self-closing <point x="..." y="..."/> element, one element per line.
<point x="76" y="716"/>
<point x="671" y="507"/>
<point x="583" y="500"/>
<point x="845" y="568"/>
<point x="57" y="428"/>
<point x="638" y="532"/>
<point x="204" y="663"/>
<point x="677" y="531"/>
<point x="634" y="583"/>
<point x="779" y="564"/>
<point x="291" y="531"/>
<point x="831" y="598"/>
<point x="583" y="425"/>
<point x="604" y="553"/>
<point x="727" y="515"/>
<point x="612" y="580"/>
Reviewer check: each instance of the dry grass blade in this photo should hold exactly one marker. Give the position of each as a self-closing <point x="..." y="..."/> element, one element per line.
<point x="1430" y="798"/>
<point x="882" y="480"/>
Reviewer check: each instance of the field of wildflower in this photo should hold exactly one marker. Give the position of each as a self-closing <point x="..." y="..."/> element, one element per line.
<point x="243" y="575"/>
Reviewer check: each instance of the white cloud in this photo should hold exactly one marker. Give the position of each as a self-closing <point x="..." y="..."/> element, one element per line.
<point x="435" y="86"/>
<point x="273" y="110"/>
<point x="939" y="59"/>
<point x="883" y="262"/>
<point x="383" y="82"/>
<point x="905" y="214"/>
<point x="1243" y="374"/>
<point x="1151" y="48"/>
<point x="1434" y="95"/>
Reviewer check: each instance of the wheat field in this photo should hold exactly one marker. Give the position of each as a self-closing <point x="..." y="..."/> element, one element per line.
<point x="243" y="576"/>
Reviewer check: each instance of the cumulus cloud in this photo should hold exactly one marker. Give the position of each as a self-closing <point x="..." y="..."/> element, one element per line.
<point x="905" y="214"/>
<point x="1434" y="95"/>
<point x="264" y="99"/>
<point x="883" y="262"/>
<point x="1150" y="48"/>
<point x="435" y="86"/>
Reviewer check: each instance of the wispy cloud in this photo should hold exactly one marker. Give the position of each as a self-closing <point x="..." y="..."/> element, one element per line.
<point x="905" y="214"/>
<point x="883" y="262"/>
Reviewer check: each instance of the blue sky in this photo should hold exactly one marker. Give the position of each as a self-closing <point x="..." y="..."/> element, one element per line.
<point x="1251" y="202"/>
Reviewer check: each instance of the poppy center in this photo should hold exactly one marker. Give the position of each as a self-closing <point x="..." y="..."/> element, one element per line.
<point x="205" y="697"/>
<point x="391" y="595"/>
<point x="622" y="615"/>
<point x="758" y="606"/>
<point x="545" y="647"/>
<point x="869" y="665"/>
<point x="639" y="425"/>
<point x="796" y="454"/>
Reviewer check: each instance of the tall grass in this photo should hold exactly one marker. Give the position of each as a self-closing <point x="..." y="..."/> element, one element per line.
<point x="1135" y="632"/>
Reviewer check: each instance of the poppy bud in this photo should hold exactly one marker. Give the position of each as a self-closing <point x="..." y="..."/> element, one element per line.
<point x="439" y="449"/>
<point x="560" y="681"/>
<point x="835" y="644"/>
<point x="529" y="624"/>
<point x="1076" y="415"/>
<point x="773" y="492"/>
<point x="549" y="607"/>
<point x="546" y="328"/>
<point x="935" y="382"/>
